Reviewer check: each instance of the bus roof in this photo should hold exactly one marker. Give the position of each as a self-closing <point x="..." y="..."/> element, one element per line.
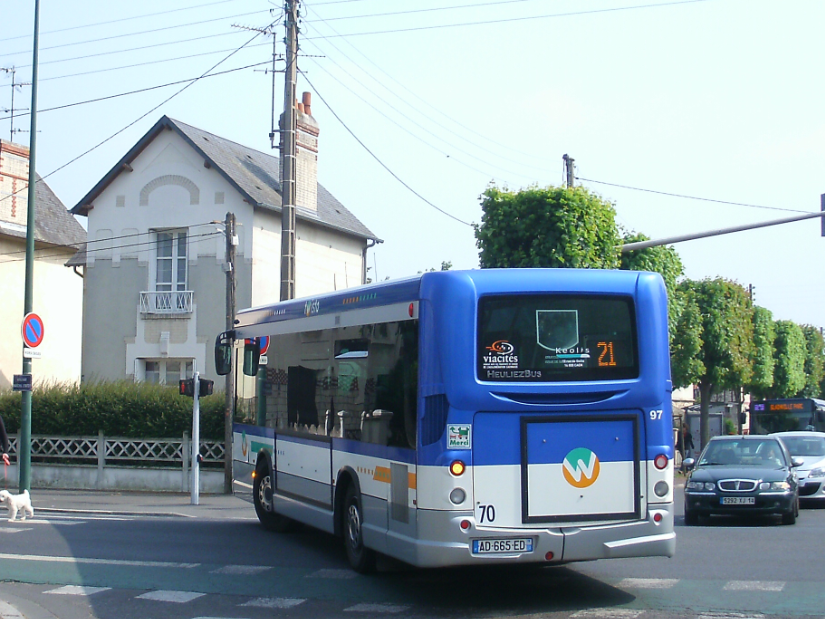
<point x="484" y="281"/>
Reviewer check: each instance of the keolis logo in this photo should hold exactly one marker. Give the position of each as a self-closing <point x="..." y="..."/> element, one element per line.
<point x="581" y="467"/>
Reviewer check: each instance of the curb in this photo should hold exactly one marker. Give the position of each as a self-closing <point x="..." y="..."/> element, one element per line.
<point x="104" y="512"/>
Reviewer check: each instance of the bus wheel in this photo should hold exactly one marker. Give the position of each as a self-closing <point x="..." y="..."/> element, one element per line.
<point x="264" y="504"/>
<point x="361" y="558"/>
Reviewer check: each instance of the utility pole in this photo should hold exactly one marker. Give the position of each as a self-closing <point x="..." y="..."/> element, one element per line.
<point x="231" y="242"/>
<point x="569" y="169"/>
<point x="24" y="445"/>
<point x="288" y="139"/>
<point x="11" y="110"/>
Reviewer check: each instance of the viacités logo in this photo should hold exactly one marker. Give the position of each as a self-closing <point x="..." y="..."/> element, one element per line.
<point x="581" y="467"/>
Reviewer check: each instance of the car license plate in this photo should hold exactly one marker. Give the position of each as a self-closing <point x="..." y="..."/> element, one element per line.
<point x="502" y="546"/>
<point x="738" y="500"/>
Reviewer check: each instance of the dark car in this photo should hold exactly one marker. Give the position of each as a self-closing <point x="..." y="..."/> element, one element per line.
<point x="738" y="475"/>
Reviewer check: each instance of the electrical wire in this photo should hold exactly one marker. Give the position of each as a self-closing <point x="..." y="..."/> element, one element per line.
<point x="126" y="34"/>
<point x="146" y="245"/>
<point x="68" y="163"/>
<point x="122" y="19"/>
<point x="475" y="5"/>
<point x="516" y="19"/>
<point x="677" y="195"/>
<point x="383" y="165"/>
<point x="134" y="92"/>
<point x="108" y="239"/>
<point x="414" y="135"/>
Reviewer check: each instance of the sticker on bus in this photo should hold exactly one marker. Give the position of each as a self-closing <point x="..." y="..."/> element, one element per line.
<point x="458" y="436"/>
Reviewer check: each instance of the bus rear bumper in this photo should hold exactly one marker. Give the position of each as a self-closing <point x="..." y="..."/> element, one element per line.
<point x="641" y="538"/>
<point x="453" y="546"/>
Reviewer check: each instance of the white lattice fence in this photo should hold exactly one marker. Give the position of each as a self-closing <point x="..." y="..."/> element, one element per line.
<point x="118" y="450"/>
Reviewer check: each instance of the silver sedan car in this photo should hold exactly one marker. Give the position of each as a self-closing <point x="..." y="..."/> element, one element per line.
<point x="810" y="448"/>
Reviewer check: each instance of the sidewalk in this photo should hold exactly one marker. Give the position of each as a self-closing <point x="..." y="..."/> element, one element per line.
<point x="166" y="504"/>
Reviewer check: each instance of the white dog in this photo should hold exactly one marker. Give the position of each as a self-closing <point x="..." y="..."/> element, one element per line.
<point x="17" y="502"/>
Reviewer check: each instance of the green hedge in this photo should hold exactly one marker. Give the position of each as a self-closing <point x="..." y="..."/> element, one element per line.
<point x="127" y="409"/>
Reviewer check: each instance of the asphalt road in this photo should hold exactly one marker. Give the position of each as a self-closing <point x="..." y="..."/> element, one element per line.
<point x="93" y="565"/>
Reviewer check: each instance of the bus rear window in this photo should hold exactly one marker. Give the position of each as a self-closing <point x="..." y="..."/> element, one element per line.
<point x="555" y="338"/>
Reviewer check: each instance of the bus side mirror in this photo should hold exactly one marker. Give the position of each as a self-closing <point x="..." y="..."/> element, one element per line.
<point x="251" y="356"/>
<point x="743" y="418"/>
<point x="223" y="353"/>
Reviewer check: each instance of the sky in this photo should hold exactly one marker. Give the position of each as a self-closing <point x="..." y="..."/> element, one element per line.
<point x="423" y="104"/>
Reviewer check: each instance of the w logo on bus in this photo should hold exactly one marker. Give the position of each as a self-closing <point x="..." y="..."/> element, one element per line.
<point x="581" y="467"/>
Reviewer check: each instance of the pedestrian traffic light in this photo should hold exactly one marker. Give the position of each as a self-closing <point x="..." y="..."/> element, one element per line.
<point x="205" y="387"/>
<point x="187" y="387"/>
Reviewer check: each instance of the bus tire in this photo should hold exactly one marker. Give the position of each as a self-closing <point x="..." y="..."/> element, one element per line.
<point x="361" y="558"/>
<point x="264" y="503"/>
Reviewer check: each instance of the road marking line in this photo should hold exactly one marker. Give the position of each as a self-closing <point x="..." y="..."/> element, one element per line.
<point x="274" y="602"/>
<point x="77" y="590"/>
<point x="247" y="570"/>
<point x="609" y="613"/>
<point x="178" y="597"/>
<point x="647" y="583"/>
<point x="82" y="561"/>
<point x="754" y="585"/>
<point x="12" y="530"/>
<point x="7" y="611"/>
<point x="376" y="608"/>
<point x="727" y="615"/>
<point x="336" y="574"/>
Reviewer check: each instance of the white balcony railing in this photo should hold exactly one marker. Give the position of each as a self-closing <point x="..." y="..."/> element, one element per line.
<point x="175" y="302"/>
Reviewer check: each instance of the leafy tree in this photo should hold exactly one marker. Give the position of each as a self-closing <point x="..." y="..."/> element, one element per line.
<point x="764" y="334"/>
<point x="686" y="343"/>
<point x="726" y="331"/>
<point x="814" y="361"/>
<point x="550" y="227"/>
<point x="662" y="260"/>
<point x="789" y="357"/>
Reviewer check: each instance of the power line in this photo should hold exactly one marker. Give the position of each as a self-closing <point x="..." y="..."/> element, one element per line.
<point x="475" y="5"/>
<point x="516" y="19"/>
<point x="131" y="34"/>
<point x="141" y="90"/>
<point x="68" y="163"/>
<point x="445" y="128"/>
<point x="146" y="245"/>
<point x="383" y="165"/>
<point x="122" y="19"/>
<point x="78" y="246"/>
<point x="677" y="195"/>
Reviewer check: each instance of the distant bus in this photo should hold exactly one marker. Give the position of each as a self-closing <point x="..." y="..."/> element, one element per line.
<point x="465" y="417"/>
<point x="787" y="415"/>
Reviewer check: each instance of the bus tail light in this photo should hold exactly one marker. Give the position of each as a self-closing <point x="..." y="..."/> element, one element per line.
<point x="660" y="462"/>
<point x="465" y="524"/>
<point x="457" y="468"/>
<point x="549" y="556"/>
<point x="457" y="496"/>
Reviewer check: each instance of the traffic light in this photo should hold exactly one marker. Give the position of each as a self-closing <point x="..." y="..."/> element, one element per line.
<point x="205" y="387"/>
<point x="187" y="387"/>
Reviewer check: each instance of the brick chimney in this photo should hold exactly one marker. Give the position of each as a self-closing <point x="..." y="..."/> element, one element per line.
<point x="306" y="171"/>
<point x="14" y="180"/>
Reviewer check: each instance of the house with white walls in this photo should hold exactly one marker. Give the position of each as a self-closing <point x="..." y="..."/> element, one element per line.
<point x="57" y="292"/>
<point x="155" y="282"/>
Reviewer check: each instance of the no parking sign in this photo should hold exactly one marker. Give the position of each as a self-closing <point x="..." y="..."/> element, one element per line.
<point x="32" y="330"/>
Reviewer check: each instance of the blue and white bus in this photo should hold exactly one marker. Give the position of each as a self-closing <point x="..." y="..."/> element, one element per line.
<point x="465" y="417"/>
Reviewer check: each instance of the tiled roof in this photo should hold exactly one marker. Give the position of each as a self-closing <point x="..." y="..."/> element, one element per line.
<point x="53" y="224"/>
<point x="253" y="173"/>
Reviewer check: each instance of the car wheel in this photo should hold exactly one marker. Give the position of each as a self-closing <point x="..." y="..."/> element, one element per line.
<point x="790" y="517"/>
<point x="264" y="504"/>
<point x="691" y="519"/>
<point x="361" y="558"/>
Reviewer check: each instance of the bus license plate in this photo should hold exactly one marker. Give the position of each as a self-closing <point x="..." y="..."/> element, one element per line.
<point x="738" y="500"/>
<point x="501" y="546"/>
